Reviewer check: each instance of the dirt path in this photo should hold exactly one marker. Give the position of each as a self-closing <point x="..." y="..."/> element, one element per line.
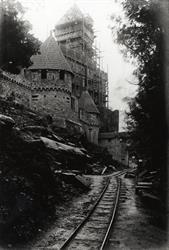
<point x="70" y="215"/>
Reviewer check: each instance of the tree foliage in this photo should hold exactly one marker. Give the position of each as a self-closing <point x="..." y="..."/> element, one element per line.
<point x="17" y="44"/>
<point x="141" y="36"/>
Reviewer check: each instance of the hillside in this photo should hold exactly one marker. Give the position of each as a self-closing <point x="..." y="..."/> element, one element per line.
<point x="34" y="155"/>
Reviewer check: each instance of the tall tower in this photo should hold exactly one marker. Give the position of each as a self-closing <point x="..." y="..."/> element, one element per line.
<point x="75" y="35"/>
<point x="75" y="31"/>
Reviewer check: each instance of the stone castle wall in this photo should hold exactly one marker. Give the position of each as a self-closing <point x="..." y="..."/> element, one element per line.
<point x="91" y="133"/>
<point x="20" y="93"/>
<point x="53" y="101"/>
<point x="46" y="97"/>
<point x="50" y="98"/>
<point x="52" y="79"/>
<point x="116" y="147"/>
<point x="90" y="124"/>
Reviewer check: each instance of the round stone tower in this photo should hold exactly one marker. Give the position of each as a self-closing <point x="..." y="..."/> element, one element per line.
<point x="51" y="79"/>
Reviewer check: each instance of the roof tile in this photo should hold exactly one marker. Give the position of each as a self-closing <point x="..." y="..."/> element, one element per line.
<point x="51" y="57"/>
<point x="86" y="103"/>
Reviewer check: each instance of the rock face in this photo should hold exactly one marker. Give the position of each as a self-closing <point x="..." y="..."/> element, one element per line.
<point x="58" y="146"/>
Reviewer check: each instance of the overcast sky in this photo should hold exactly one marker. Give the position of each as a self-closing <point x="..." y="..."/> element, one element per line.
<point x="44" y="14"/>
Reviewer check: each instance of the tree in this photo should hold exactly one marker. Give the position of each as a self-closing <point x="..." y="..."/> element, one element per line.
<point x="141" y="36"/>
<point x="17" y="44"/>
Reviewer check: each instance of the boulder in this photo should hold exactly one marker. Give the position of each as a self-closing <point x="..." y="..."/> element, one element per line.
<point x="6" y="121"/>
<point x="58" y="146"/>
<point x="41" y="130"/>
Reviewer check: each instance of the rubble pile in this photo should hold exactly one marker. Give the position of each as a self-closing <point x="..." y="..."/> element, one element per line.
<point x="148" y="184"/>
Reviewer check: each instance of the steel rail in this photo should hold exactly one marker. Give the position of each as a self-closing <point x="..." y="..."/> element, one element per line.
<point x="75" y="232"/>
<point x="112" y="216"/>
<point x="67" y="242"/>
<point x="120" y="173"/>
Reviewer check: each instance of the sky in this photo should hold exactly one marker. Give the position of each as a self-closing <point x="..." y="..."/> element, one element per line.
<point x="44" y="14"/>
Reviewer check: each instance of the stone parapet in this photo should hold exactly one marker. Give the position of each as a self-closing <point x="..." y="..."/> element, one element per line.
<point x="37" y="86"/>
<point x="51" y="88"/>
<point x="17" y="79"/>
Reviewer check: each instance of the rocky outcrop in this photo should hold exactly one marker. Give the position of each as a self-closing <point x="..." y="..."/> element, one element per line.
<point x="6" y="121"/>
<point x="30" y="186"/>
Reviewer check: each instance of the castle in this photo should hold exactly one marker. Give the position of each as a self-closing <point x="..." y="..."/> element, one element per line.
<point x="65" y="79"/>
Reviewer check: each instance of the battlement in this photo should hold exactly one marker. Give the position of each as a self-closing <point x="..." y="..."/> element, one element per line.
<point x="17" y="79"/>
<point x="36" y="86"/>
<point x="47" y="85"/>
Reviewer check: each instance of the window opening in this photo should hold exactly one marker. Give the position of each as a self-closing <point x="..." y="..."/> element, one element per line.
<point x="62" y="75"/>
<point x="43" y="74"/>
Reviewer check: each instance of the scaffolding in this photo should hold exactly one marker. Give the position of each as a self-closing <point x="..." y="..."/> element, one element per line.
<point x="75" y="36"/>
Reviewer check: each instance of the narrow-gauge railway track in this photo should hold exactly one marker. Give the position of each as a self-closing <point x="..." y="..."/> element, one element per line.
<point x="93" y="232"/>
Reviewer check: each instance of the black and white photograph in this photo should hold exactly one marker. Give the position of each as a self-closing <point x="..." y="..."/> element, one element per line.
<point x="84" y="124"/>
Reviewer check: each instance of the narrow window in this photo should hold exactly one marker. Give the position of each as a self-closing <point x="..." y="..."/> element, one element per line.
<point x="62" y="75"/>
<point x="35" y="96"/>
<point x="43" y="74"/>
<point x="73" y="104"/>
<point x="73" y="88"/>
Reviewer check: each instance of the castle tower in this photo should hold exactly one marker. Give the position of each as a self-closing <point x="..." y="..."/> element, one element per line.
<point x="51" y="79"/>
<point x="75" y="35"/>
<point x="75" y="31"/>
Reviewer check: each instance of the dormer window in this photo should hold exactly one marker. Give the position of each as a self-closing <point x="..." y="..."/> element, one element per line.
<point x="43" y="74"/>
<point x="62" y="75"/>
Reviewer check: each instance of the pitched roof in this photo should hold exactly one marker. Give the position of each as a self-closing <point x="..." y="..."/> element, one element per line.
<point x="86" y="103"/>
<point x="71" y="15"/>
<point x="51" y="57"/>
